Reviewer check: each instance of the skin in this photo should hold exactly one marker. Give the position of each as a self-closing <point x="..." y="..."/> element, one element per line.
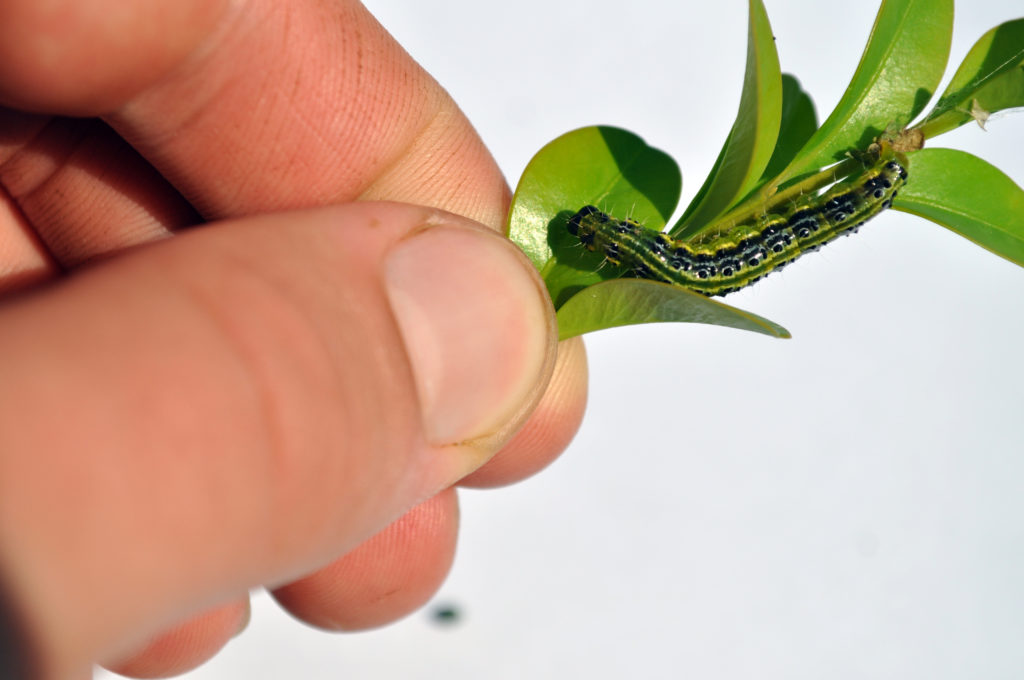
<point x="211" y="383"/>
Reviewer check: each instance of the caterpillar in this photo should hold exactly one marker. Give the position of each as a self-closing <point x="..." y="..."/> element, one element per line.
<point x="747" y="252"/>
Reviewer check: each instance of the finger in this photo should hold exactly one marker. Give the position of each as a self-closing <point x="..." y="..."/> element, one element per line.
<point x="316" y="378"/>
<point x="550" y="427"/>
<point x="279" y="105"/>
<point x="186" y="645"/>
<point x="83" y="190"/>
<point x="256" y="106"/>
<point x="398" y="570"/>
<point x="309" y="103"/>
<point x="388" y="576"/>
<point x="23" y="259"/>
<point x="83" y="58"/>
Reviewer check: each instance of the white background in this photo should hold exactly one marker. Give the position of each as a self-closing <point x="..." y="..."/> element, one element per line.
<point x="845" y="504"/>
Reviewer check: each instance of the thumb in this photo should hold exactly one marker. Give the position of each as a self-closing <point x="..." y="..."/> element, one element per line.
<point x="241" y="404"/>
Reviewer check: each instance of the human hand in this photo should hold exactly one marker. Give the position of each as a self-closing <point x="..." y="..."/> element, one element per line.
<point x="246" y="402"/>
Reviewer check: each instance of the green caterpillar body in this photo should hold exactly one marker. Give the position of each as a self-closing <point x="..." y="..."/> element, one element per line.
<point x="744" y="254"/>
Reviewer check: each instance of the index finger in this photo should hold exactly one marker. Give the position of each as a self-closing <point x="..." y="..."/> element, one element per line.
<point x="258" y="106"/>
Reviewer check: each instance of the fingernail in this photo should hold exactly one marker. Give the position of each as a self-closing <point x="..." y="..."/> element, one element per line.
<point x="476" y="325"/>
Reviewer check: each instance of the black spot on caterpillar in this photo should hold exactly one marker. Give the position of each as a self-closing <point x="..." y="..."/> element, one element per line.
<point x="747" y="252"/>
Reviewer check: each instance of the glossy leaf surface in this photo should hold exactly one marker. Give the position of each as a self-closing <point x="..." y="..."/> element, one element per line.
<point x="897" y="75"/>
<point x="969" y="196"/>
<point x="751" y="141"/>
<point x="990" y="79"/>
<point x="624" y="302"/>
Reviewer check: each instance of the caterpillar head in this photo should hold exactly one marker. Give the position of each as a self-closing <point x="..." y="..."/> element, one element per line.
<point x="583" y="224"/>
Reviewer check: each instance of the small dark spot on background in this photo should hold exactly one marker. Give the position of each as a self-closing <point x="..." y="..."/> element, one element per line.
<point x="445" y="614"/>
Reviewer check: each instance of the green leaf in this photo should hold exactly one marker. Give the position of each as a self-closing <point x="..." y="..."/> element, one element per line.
<point x="603" y="166"/>
<point x="990" y="79"/>
<point x="968" y="196"/>
<point x="751" y="141"/>
<point x="624" y="302"/>
<point x="799" y="121"/>
<point x="897" y="75"/>
<point x="598" y="165"/>
<point x="616" y="171"/>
